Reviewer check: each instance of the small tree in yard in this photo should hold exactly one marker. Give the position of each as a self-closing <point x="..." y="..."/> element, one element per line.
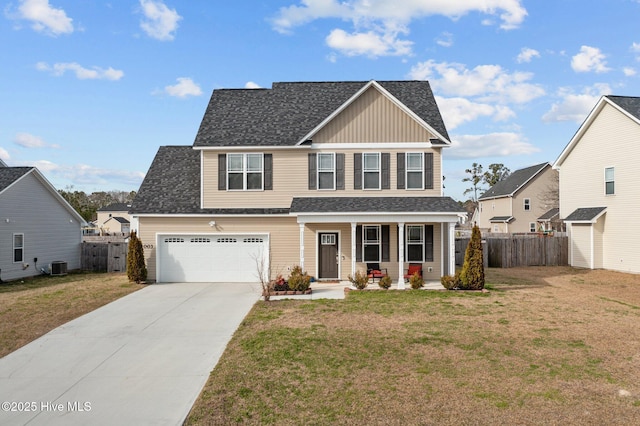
<point x="136" y="268"/>
<point x="472" y="274"/>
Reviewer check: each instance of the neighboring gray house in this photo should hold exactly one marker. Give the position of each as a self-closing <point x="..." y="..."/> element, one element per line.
<point x="37" y="226"/>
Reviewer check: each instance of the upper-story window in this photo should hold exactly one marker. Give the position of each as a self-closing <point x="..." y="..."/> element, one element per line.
<point x="245" y="172"/>
<point x="371" y="170"/>
<point x="415" y="170"/>
<point x="609" y="181"/>
<point x="527" y="204"/>
<point x="326" y="171"/>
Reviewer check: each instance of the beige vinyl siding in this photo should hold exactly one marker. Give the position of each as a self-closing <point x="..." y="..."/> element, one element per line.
<point x="581" y="245"/>
<point x="610" y="141"/>
<point x="534" y="191"/>
<point x="360" y="123"/>
<point x="492" y="208"/>
<point x="284" y="235"/>
<point x="290" y="179"/>
<point x="598" y="239"/>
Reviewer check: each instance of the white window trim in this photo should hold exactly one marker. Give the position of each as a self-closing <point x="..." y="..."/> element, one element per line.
<point x="526" y="203"/>
<point x="245" y="172"/>
<point x="407" y="171"/>
<point x="365" y="243"/>
<point x="533" y="227"/>
<point x="613" y="169"/>
<point x="318" y="171"/>
<point x="15" y="248"/>
<point x="379" y="171"/>
<point x="422" y="237"/>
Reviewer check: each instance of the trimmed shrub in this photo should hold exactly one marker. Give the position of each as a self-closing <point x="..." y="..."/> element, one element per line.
<point x="136" y="268"/>
<point x="360" y="280"/>
<point x="472" y="273"/>
<point x="416" y="281"/>
<point x="385" y="282"/>
<point x="299" y="280"/>
<point x="450" y="282"/>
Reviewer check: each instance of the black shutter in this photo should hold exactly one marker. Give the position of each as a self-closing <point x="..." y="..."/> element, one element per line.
<point x="428" y="170"/>
<point x="386" y="170"/>
<point x="222" y="172"/>
<point x="339" y="171"/>
<point x="313" y="184"/>
<point x="268" y="172"/>
<point x="428" y="243"/>
<point x="401" y="160"/>
<point x="385" y="243"/>
<point x="359" y="243"/>
<point x="357" y="170"/>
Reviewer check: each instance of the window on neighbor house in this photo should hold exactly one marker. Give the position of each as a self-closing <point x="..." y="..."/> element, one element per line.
<point x="609" y="181"/>
<point x="18" y="248"/>
<point x="415" y="170"/>
<point x="326" y="171"/>
<point x="371" y="245"/>
<point x="532" y="227"/>
<point x="245" y="172"/>
<point x="527" y="204"/>
<point x="371" y="170"/>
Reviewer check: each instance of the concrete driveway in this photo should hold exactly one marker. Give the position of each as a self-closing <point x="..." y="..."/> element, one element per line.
<point x="140" y="360"/>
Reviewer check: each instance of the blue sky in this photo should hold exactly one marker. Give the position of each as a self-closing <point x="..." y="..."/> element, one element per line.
<point x="90" y="89"/>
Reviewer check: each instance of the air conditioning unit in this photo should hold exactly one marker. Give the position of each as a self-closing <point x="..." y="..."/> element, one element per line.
<point x="58" y="268"/>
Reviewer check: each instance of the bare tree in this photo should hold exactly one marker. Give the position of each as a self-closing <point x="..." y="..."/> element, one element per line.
<point x="263" y="275"/>
<point x="476" y="179"/>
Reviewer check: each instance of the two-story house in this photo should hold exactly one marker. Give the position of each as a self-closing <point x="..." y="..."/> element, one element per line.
<point x="599" y="195"/>
<point x="329" y="176"/>
<point x="114" y="219"/>
<point x="525" y="201"/>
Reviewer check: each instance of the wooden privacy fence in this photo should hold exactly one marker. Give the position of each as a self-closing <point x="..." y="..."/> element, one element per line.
<point x="104" y="257"/>
<point x="520" y="251"/>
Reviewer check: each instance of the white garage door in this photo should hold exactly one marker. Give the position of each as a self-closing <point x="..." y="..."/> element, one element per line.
<point x="211" y="258"/>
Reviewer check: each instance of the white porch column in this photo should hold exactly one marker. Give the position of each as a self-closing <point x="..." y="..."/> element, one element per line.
<point x="302" y="245"/>
<point x="401" y="256"/>
<point x="353" y="248"/>
<point x="452" y="248"/>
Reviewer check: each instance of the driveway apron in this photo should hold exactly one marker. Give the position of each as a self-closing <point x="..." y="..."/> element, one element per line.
<point x="141" y="360"/>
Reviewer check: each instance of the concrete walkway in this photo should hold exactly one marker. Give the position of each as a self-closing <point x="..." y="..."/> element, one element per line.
<point x="141" y="360"/>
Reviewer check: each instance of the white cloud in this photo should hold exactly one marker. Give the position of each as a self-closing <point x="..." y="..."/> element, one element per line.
<point x="629" y="72"/>
<point x="490" y="83"/>
<point x="27" y="140"/>
<point x="185" y="87"/>
<point x="589" y="59"/>
<point x="457" y="111"/>
<point x="44" y="18"/>
<point x="4" y="154"/>
<point x="445" y="39"/>
<point x="527" y="54"/>
<point x="378" y="23"/>
<point x="576" y="107"/>
<point x="86" y="175"/>
<point x="93" y="73"/>
<point x="635" y="48"/>
<point x="489" y="145"/>
<point x="252" y="85"/>
<point x="368" y="43"/>
<point x="159" y="21"/>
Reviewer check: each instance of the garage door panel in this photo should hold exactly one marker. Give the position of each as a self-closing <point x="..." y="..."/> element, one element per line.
<point x="210" y="258"/>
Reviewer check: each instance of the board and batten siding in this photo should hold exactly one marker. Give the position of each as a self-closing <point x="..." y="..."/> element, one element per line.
<point x="51" y="232"/>
<point x="610" y="141"/>
<point x="360" y="123"/>
<point x="284" y="235"/>
<point x="290" y="179"/>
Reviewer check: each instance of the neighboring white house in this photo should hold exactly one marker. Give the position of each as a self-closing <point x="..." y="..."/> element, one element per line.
<point x="521" y="203"/>
<point x="599" y="192"/>
<point x="37" y="226"/>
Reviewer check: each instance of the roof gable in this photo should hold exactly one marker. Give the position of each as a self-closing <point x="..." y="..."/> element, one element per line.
<point x="627" y="105"/>
<point x="514" y="182"/>
<point x="2" y="163"/>
<point x="288" y="113"/>
<point x="10" y="175"/>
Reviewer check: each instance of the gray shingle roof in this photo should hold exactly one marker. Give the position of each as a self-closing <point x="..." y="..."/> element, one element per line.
<point x="630" y="104"/>
<point x="501" y="219"/>
<point x="375" y="204"/>
<point x="115" y="207"/>
<point x="9" y="175"/>
<point x="550" y="214"/>
<point x="585" y="214"/>
<point x="172" y="186"/>
<point x="120" y="219"/>
<point x="513" y="182"/>
<point x="285" y="114"/>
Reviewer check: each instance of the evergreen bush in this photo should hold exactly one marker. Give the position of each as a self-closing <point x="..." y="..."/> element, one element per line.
<point x="136" y="268"/>
<point x="299" y="280"/>
<point x="385" y="282"/>
<point x="416" y="281"/>
<point x="360" y="280"/>
<point x="472" y="273"/>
